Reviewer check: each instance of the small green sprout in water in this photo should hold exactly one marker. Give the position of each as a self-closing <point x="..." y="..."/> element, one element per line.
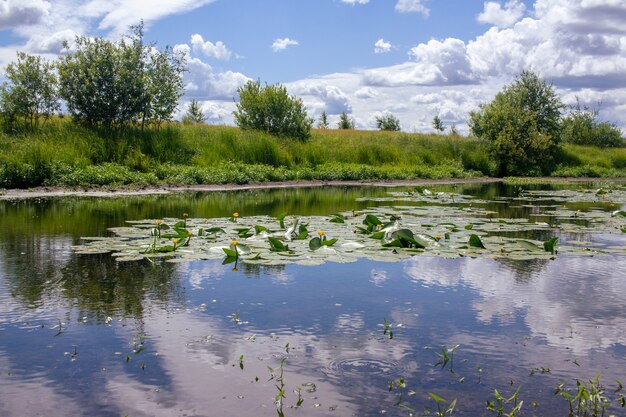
<point x="442" y="410"/>
<point x="388" y="332"/>
<point x="590" y="400"/>
<point x="498" y="404"/>
<point x="447" y="356"/>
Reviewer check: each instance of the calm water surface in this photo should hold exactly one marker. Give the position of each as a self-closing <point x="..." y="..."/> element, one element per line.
<point x="87" y="336"/>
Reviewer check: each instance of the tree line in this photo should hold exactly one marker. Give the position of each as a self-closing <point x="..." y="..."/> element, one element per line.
<point x="103" y="84"/>
<point x="111" y="85"/>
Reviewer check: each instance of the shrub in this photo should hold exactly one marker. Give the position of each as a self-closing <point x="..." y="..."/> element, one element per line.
<point x="522" y="124"/>
<point x="581" y="127"/>
<point x="271" y="109"/>
<point x="345" y="122"/>
<point x="388" y="122"/>
<point x="30" y="92"/>
<point x="438" y="124"/>
<point x="194" y="113"/>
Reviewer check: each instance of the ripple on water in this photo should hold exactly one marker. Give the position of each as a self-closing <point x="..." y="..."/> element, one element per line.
<point x="359" y="367"/>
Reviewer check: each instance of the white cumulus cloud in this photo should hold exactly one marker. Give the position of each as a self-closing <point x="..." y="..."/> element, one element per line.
<point x="213" y="50"/>
<point x="281" y="44"/>
<point x="502" y="17"/>
<point x="412" y="6"/>
<point x="382" y="46"/>
<point x="15" y="13"/>
<point x="322" y="97"/>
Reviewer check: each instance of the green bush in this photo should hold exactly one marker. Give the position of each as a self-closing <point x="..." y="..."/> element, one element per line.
<point x="581" y="127"/>
<point x="522" y="124"/>
<point x="388" y="122"/>
<point x="271" y="109"/>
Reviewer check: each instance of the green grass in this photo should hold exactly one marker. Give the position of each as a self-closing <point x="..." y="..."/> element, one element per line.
<point x="63" y="154"/>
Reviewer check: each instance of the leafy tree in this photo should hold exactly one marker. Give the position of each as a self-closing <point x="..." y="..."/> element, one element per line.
<point x="345" y="122"/>
<point x="323" y="121"/>
<point x="522" y="124"/>
<point x="388" y="122"/>
<point x="110" y="84"/>
<point x="581" y="127"/>
<point x="164" y="86"/>
<point x="194" y="113"/>
<point x="271" y="109"/>
<point x="438" y="124"/>
<point x="30" y="92"/>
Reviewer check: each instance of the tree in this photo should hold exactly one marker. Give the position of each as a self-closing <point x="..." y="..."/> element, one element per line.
<point x="110" y="84"/>
<point x="522" y="123"/>
<point x="194" y="113"/>
<point x="581" y="127"/>
<point x="323" y="121"/>
<point x="388" y="122"/>
<point x="30" y="92"/>
<point x="164" y="85"/>
<point x="271" y="109"/>
<point x="438" y="124"/>
<point x="345" y="122"/>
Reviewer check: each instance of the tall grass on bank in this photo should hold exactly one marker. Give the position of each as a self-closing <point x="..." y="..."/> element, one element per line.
<point x="63" y="154"/>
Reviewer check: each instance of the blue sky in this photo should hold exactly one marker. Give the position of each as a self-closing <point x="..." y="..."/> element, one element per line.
<point x="413" y="58"/>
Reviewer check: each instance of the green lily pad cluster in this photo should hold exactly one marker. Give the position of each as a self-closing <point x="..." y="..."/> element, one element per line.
<point x="387" y="233"/>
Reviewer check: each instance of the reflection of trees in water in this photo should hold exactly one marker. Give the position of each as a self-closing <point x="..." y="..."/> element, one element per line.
<point x="256" y="270"/>
<point x="524" y="270"/>
<point x="32" y="264"/>
<point x="42" y="269"/>
<point x="105" y="287"/>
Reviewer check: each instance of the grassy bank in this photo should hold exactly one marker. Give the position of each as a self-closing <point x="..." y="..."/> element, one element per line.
<point x="62" y="154"/>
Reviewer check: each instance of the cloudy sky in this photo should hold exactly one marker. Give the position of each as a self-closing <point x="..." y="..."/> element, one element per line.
<point x="412" y="58"/>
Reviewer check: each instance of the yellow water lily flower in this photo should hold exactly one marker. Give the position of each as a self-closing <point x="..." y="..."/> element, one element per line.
<point x="235" y="243"/>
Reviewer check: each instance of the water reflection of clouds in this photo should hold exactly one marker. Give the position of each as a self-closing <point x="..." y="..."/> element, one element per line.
<point x="378" y="277"/>
<point x="33" y="396"/>
<point x="200" y="273"/>
<point x="572" y="302"/>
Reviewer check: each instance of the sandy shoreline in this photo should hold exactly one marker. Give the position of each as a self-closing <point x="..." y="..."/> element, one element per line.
<point x="44" y="192"/>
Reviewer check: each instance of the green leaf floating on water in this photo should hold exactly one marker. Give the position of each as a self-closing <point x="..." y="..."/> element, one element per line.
<point x="476" y="242"/>
<point x="404" y="238"/>
<point x="276" y="245"/>
<point x="550" y="245"/>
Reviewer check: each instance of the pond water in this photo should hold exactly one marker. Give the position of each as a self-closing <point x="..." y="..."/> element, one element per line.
<point x="89" y="335"/>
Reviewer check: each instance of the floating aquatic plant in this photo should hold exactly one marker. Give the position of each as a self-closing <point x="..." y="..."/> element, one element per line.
<point x="380" y="233"/>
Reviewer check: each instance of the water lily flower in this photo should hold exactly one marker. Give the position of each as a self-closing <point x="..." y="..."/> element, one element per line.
<point x="234" y="242"/>
<point x="158" y="222"/>
<point x="321" y="233"/>
<point x="438" y="238"/>
<point x="185" y="214"/>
